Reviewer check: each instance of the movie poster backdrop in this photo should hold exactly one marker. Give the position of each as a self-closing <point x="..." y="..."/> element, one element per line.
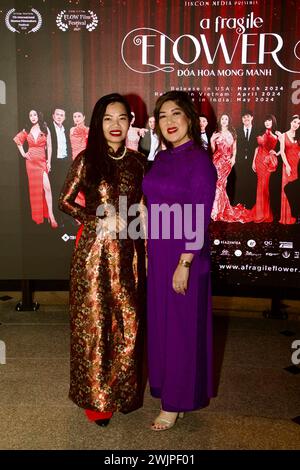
<point x="238" y="59"/>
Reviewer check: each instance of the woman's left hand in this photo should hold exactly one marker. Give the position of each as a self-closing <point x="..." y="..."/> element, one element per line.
<point x="288" y="169"/>
<point x="48" y="164"/>
<point x="180" y="279"/>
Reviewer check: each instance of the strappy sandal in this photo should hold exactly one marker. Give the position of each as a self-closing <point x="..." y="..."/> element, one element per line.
<point x="165" y="422"/>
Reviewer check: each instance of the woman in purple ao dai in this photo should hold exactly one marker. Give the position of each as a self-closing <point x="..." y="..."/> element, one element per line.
<point x="179" y="295"/>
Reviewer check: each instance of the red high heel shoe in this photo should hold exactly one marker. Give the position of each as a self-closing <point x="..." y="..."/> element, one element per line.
<point x="53" y="223"/>
<point x="101" y="418"/>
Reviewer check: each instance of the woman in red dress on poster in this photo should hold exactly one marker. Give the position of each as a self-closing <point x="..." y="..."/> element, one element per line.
<point x="134" y="134"/>
<point x="264" y="163"/>
<point x="38" y="165"/>
<point x="223" y="146"/>
<point x="78" y="139"/>
<point x="290" y="153"/>
<point x="78" y="134"/>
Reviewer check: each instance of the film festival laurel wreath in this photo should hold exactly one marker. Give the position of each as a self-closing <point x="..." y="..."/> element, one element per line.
<point x="76" y="20"/>
<point x="23" y="22"/>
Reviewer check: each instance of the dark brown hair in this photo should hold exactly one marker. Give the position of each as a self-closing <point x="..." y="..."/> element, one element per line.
<point x="183" y="100"/>
<point x="230" y="128"/>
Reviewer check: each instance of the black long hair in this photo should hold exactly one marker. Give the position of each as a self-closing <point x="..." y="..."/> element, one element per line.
<point x="297" y="133"/>
<point x="270" y="117"/>
<point x="98" y="166"/>
<point x="183" y="100"/>
<point x="41" y="122"/>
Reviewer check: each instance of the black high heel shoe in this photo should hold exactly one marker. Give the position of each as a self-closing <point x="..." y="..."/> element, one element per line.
<point x="102" y="422"/>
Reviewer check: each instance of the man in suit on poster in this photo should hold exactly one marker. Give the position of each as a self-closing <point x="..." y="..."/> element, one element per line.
<point x="244" y="185"/>
<point x="205" y="133"/>
<point x="149" y="142"/>
<point x="61" y="156"/>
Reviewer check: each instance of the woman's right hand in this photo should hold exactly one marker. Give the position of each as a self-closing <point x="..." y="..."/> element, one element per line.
<point x="115" y="223"/>
<point x="111" y="225"/>
<point x="215" y="136"/>
<point x="27" y="156"/>
<point x="142" y="132"/>
<point x="254" y="166"/>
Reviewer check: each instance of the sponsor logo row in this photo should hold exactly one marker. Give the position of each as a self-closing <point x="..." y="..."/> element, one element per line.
<point x="31" y="21"/>
<point x="286" y="246"/>
<point x="238" y="252"/>
<point x="252" y="243"/>
<point x="285" y="254"/>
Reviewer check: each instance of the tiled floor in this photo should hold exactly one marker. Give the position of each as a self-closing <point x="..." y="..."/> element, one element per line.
<point x="256" y="402"/>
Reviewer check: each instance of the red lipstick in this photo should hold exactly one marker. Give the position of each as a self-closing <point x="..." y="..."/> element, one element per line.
<point x="116" y="133"/>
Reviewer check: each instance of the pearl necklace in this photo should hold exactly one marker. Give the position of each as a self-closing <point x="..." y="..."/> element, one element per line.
<point x="120" y="157"/>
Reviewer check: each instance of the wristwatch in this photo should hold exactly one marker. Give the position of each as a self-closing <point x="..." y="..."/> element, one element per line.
<point x="185" y="263"/>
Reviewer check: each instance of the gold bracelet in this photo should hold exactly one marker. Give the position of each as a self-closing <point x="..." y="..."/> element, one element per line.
<point x="185" y="263"/>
